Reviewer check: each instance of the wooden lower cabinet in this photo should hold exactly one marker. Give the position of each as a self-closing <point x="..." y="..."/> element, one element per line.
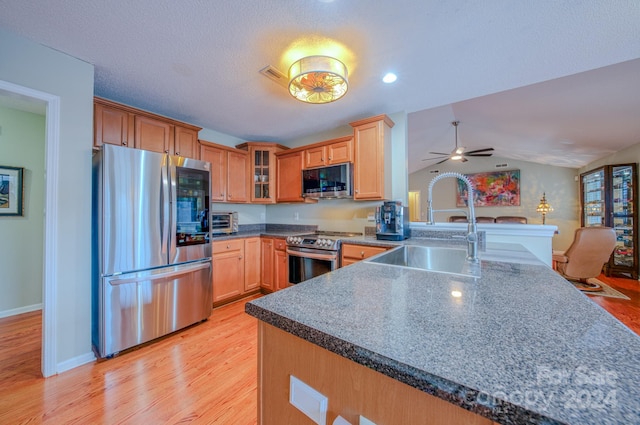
<point x="235" y="269"/>
<point x="275" y="267"/>
<point x="353" y="253"/>
<point x="281" y="268"/>
<point x="251" y="264"/>
<point x="266" y="261"/>
<point x="352" y="389"/>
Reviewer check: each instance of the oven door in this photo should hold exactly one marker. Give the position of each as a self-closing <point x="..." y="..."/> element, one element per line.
<point x="306" y="263"/>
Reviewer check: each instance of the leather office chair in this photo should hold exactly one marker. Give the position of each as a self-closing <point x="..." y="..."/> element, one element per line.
<point x="589" y="251"/>
<point x="511" y="219"/>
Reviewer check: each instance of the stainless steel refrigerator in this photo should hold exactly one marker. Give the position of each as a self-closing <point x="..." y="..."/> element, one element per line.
<point x="152" y="259"/>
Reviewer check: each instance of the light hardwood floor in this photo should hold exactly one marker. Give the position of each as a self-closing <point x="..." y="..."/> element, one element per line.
<point x="203" y="375"/>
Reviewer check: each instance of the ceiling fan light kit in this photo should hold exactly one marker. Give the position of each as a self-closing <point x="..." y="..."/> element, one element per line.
<point x="459" y="153"/>
<point x="318" y="79"/>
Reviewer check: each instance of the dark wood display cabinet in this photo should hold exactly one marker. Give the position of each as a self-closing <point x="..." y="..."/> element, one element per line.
<point x="607" y="195"/>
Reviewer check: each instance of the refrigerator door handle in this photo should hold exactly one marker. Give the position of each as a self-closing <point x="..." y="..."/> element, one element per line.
<point x="129" y="278"/>
<point x="164" y="209"/>
<point x="173" y="204"/>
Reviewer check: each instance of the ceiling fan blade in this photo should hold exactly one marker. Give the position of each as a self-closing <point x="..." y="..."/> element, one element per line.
<point x="478" y="151"/>
<point x="464" y="159"/>
<point x="478" y="154"/>
<point x="446" y="159"/>
<point x="439" y="153"/>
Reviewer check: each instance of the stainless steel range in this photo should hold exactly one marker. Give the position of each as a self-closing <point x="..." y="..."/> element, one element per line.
<point x="314" y="254"/>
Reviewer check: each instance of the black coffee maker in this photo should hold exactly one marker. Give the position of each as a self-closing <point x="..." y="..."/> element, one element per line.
<point x="392" y="221"/>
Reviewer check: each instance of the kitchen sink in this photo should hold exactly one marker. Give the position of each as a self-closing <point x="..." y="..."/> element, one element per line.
<point x="433" y="259"/>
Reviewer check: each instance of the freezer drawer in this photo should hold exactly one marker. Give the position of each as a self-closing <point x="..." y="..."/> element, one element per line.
<point x="137" y="307"/>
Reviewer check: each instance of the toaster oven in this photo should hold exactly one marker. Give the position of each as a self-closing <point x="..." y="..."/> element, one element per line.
<point x="224" y="222"/>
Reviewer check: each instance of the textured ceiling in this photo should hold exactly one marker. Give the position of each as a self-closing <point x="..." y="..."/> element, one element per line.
<point x="199" y="61"/>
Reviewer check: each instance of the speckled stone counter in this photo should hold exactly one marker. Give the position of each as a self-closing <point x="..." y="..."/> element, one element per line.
<point x="517" y="345"/>
<point x="269" y="230"/>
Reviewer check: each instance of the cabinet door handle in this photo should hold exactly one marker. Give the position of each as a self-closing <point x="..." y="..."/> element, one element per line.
<point x="178" y="153"/>
<point x="166" y="151"/>
<point x="240" y="257"/>
<point x="124" y="143"/>
<point x="362" y="254"/>
<point x="228" y="246"/>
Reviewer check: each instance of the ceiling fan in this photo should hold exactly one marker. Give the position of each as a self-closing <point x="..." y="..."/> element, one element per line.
<point x="459" y="153"/>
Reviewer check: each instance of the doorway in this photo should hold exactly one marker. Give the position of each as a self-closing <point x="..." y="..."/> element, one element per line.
<point x="415" y="210"/>
<point x="50" y="240"/>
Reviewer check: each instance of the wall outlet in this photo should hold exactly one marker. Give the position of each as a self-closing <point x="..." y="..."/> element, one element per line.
<point x="296" y="216"/>
<point x="307" y="400"/>
<point x="365" y="421"/>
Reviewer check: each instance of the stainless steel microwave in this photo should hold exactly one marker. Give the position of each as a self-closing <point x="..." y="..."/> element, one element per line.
<point x="224" y="222"/>
<point x="333" y="181"/>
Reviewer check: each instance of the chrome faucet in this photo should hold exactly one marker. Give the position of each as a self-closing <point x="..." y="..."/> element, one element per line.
<point x="472" y="234"/>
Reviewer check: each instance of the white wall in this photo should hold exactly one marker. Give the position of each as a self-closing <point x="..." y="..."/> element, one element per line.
<point x="22" y="139"/>
<point x="559" y="183"/>
<point x="37" y="67"/>
<point x="625" y="156"/>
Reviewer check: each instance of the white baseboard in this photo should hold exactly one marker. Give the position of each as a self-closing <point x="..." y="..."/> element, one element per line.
<point x="20" y="310"/>
<point x="75" y="362"/>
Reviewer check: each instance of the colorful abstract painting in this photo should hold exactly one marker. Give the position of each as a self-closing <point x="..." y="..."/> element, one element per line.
<point x="491" y="189"/>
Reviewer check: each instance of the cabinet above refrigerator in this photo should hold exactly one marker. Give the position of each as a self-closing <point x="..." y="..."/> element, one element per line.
<point x="607" y="198"/>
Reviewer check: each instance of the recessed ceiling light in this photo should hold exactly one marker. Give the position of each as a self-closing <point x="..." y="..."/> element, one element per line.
<point x="390" y="77"/>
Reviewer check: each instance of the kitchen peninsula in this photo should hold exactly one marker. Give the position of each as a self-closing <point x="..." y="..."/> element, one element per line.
<point x="396" y="345"/>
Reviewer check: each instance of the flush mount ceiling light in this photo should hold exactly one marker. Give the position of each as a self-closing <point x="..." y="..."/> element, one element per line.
<point x="318" y="79"/>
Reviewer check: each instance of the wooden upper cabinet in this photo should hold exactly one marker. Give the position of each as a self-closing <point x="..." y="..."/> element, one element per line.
<point x="289" y="177"/>
<point x="123" y="125"/>
<point x="218" y="159"/>
<point x="315" y="157"/>
<point x="340" y="152"/>
<point x="337" y="151"/>
<point x="229" y="172"/>
<point x="153" y="135"/>
<point x="372" y="158"/>
<point x="237" y="177"/>
<point x="185" y="142"/>
<point x="111" y="126"/>
<point x="262" y="170"/>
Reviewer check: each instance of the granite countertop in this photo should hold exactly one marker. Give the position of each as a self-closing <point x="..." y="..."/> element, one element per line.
<point x="518" y="345"/>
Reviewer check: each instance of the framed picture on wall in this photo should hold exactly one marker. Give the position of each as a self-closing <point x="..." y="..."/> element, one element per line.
<point x="11" y="191"/>
<point x="491" y="189"/>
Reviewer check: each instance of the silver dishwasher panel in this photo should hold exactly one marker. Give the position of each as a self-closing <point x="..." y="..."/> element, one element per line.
<point x="139" y="307"/>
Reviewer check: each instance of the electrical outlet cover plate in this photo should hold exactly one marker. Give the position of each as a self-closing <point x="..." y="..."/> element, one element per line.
<point x="365" y="421"/>
<point x="309" y="401"/>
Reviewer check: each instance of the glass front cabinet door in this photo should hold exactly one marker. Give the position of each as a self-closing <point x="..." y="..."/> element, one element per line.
<point x="263" y="170"/>
<point x="608" y="195"/>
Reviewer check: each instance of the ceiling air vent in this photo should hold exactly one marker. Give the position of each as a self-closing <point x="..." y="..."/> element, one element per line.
<point x="434" y="171"/>
<point x="273" y="74"/>
<point x="501" y="165"/>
